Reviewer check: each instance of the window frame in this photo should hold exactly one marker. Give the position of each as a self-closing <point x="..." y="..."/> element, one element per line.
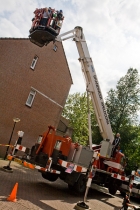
<point x="55" y="48"/>
<point x="34" y="61"/>
<point x="31" y="94"/>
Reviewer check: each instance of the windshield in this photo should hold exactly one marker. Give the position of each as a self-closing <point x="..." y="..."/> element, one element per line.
<point x="137" y="178"/>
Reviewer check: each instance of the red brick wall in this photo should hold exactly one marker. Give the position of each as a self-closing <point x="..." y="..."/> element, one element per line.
<point x="51" y="77"/>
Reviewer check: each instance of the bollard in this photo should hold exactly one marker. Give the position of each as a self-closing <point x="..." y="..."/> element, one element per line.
<point x="8" y="168"/>
<point x="82" y="205"/>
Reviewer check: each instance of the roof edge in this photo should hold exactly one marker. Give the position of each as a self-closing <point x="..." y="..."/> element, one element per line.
<point x="13" y="38"/>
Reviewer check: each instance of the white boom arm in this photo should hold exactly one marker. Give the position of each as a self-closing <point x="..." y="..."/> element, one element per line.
<point x="91" y="81"/>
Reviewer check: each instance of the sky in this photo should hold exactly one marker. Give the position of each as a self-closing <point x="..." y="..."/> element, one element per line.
<point x="111" y="29"/>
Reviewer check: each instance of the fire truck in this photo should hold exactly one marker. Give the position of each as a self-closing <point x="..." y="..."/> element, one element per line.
<point x="59" y="157"/>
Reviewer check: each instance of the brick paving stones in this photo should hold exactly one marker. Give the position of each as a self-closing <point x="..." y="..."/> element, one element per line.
<point x="36" y="193"/>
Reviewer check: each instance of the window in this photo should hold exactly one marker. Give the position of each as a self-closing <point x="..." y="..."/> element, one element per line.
<point x="55" y="48"/>
<point x="34" y="62"/>
<point x="30" y="98"/>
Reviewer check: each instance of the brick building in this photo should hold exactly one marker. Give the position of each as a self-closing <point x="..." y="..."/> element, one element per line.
<point x="34" y="85"/>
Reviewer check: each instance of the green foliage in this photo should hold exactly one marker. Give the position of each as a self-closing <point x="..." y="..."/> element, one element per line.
<point x="122" y="106"/>
<point x="124" y="102"/>
<point x="130" y="145"/>
<point x="76" y="110"/>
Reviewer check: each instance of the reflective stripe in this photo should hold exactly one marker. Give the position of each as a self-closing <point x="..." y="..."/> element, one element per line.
<point x="32" y="166"/>
<point x="21" y="148"/>
<point x="9" y="157"/>
<point x="54" y="171"/>
<point x="6" y="145"/>
<point x="63" y="163"/>
<point x="77" y="168"/>
<point x="89" y="182"/>
<point x="113" y="164"/>
<point x="117" y="176"/>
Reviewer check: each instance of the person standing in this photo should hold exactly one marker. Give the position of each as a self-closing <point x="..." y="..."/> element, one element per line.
<point x="126" y="203"/>
<point x="60" y="15"/>
<point x="46" y="16"/>
<point x="115" y="144"/>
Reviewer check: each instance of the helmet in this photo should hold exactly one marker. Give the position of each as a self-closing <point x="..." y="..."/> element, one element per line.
<point x="61" y="10"/>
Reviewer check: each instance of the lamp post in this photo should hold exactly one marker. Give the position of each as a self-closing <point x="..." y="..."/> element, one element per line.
<point x="15" y="121"/>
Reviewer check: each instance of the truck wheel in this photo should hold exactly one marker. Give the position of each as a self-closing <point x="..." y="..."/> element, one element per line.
<point x="112" y="187"/>
<point x="122" y="193"/>
<point x="80" y="185"/>
<point x="49" y="176"/>
<point x="71" y="187"/>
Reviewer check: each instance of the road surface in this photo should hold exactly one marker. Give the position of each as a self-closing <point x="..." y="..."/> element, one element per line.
<point x="36" y="193"/>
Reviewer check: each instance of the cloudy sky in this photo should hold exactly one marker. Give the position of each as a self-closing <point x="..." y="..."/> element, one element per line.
<point x="111" y="28"/>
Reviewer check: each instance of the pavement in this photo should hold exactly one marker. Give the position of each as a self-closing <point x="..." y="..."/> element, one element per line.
<point x="36" y="193"/>
<point x="33" y="192"/>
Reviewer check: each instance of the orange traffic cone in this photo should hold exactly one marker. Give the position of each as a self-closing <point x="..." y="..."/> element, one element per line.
<point x="12" y="196"/>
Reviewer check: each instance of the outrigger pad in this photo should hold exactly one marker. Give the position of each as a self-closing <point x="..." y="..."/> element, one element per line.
<point x="41" y="38"/>
<point x="81" y="206"/>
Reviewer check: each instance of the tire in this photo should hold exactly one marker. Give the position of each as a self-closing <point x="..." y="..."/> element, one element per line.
<point x="122" y="193"/>
<point x="49" y="176"/>
<point x="113" y="187"/>
<point x="71" y="187"/>
<point x="80" y="185"/>
<point x="138" y="186"/>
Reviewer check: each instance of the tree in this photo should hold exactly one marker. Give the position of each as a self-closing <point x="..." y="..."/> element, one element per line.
<point x="132" y="148"/>
<point x="76" y="111"/>
<point x="122" y="106"/>
<point x="124" y="102"/>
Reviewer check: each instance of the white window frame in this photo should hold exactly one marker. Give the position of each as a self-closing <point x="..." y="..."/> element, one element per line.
<point x="34" y="61"/>
<point x="55" y="48"/>
<point x="30" y="98"/>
